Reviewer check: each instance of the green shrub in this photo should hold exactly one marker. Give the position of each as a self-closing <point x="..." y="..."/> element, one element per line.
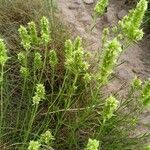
<point x="44" y="109"/>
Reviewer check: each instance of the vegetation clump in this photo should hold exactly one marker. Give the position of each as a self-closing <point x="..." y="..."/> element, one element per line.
<point x="70" y="112"/>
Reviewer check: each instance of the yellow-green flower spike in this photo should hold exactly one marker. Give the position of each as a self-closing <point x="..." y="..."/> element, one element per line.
<point x="130" y="24"/>
<point x="45" y="31"/>
<point x="92" y="145"/>
<point x="53" y="60"/>
<point x="100" y="7"/>
<point x="34" y="145"/>
<point x="40" y="91"/>
<point x="146" y="93"/>
<point x="147" y="147"/>
<point x="25" y="38"/>
<point x="74" y="55"/>
<point x="87" y="77"/>
<point x="24" y="72"/>
<point x="109" y="59"/>
<point x="77" y="43"/>
<point x="139" y="13"/>
<point x="39" y="94"/>
<point x="33" y="32"/>
<point x="68" y="48"/>
<point x="38" y="63"/>
<point x="110" y="107"/>
<point x="137" y="83"/>
<point x="3" y="53"/>
<point x="105" y="36"/>
<point x="36" y="100"/>
<point x="47" y="137"/>
<point x="22" y="58"/>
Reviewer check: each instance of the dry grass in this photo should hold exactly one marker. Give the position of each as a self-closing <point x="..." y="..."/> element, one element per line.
<point x="14" y="13"/>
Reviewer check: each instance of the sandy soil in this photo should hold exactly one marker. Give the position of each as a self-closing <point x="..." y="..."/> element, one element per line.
<point x="78" y="14"/>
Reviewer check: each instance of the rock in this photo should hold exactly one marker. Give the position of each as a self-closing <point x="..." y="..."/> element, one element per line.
<point x="111" y="15"/>
<point x="80" y="29"/>
<point x="146" y="120"/>
<point x="78" y="2"/>
<point x="122" y="13"/>
<point x="73" y="6"/>
<point x="89" y="2"/>
<point x="146" y="117"/>
<point x="86" y="18"/>
<point x="125" y="74"/>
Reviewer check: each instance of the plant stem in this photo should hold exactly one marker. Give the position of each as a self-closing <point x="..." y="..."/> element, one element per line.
<point x="52" y="85"/>
<point x="52" y="12"/>
<point x="2" y="103"/>
<point x="23" y="91"/>
<point x="30" y="123"/>
<point x="93" y="23"/>
<point x="67" y="103"/>
<point x="44" y="64"/>
<point x="20" y="104"/>
<point x="46" y="120"/>
<point x="91" y="106"/>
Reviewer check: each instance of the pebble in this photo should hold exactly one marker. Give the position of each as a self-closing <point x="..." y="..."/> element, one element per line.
<point x="74" y="6"/>
<point x="89" y="2"/>
<point x="146" y="120"/>
<point x="122" y="13"/>
<point x="86" y="18"/>
<point x="78" y="2"/>
<point x="111" y="15"/>
<point x="125" y="74"/>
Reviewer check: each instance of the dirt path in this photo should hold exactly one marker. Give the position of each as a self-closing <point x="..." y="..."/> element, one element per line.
<point x="78" y="14"/>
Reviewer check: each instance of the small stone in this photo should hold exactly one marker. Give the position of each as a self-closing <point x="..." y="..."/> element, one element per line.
<point x="111" y="15"/>
<point x="78" y="2"/>
<point x="86" y="18"/>
<point x="125" y="74"/>
<point x="89" y="2"/>
<point x="74" y="6"/>
<point x="146" y="120"/>
<point x="122" y="13"/>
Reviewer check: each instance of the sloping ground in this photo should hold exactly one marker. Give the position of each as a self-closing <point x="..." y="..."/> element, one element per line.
<point x="78" y="14"/>
<point x="145" y="55"/>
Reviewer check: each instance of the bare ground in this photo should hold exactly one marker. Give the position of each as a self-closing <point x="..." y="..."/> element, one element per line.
<point x="78" y="14"/>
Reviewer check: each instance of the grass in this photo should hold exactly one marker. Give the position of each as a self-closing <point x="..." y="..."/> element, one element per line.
<point x="51" y="93"/>
<point x="147" y="19"/>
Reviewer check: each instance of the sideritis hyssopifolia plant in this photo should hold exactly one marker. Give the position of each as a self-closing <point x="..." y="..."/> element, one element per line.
<point x="37" y="98"/>
<point x="45" y="141"/>
<point x="99" y="9"/>
<point x="130" y="24"/>
<point x="109" y="59"/>
<point x="92" y="145"/>
<point x="126" y="33"/>
<point x="32" y="72"/>
<point x="145" y="93"/>
<point x="3" y="60"/>
<point x="73" y="112"/>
